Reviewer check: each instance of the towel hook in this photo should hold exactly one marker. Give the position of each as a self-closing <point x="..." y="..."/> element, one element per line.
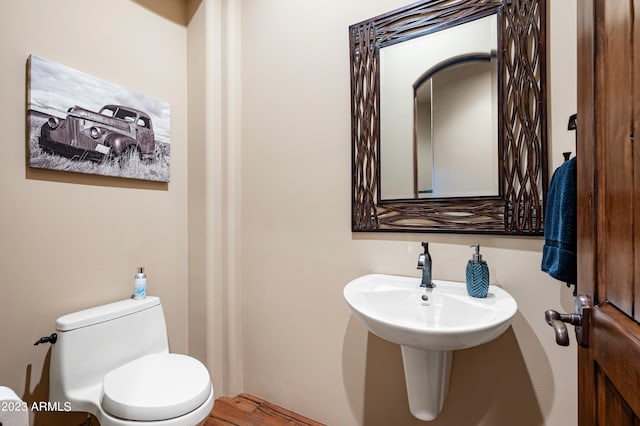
<point x="572" y="125"/>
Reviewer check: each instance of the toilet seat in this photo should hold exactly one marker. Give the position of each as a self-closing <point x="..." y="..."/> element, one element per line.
<point x="156" y="387"/>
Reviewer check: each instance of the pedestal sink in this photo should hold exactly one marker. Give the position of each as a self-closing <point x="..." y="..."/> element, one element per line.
<point x="394" y="308"/>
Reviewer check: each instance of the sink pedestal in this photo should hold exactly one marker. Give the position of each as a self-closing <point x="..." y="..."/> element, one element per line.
<point x="427" y="375"/>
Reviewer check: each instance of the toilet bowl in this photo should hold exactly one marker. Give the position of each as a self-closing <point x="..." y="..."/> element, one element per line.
<point x="113" y="361"/>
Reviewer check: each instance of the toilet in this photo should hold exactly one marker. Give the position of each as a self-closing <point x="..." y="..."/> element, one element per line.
<point x="113" y="361"/>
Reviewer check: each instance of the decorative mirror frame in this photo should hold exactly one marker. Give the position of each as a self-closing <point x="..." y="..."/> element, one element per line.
<point x="522" y="122"/>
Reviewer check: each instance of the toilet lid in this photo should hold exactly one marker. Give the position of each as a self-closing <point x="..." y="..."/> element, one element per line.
<point x="156" y="387"/>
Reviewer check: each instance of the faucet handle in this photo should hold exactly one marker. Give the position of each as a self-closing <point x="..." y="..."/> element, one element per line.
<point x="422" y="257"/>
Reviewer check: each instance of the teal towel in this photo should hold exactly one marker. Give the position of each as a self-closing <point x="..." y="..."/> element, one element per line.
<point x="559" y="258"/>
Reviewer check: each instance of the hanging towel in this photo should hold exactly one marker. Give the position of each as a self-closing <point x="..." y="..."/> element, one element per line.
<point x="559" y="251"/>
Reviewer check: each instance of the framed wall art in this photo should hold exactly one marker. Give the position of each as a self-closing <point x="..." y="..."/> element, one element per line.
<point x="84" y="124"/>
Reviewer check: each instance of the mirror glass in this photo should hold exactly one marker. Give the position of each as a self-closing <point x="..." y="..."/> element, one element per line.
<point x="439" y="114"/>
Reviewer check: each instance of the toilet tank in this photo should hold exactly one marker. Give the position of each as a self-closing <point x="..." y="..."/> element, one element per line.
<point x="94" y="341"/>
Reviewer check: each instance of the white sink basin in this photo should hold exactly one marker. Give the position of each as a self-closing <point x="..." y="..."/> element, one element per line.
<point x="392" y="307"/>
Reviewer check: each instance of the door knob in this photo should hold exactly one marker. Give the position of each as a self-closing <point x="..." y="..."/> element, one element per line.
<point x="557" y="321"/>
<point x="579" y="319"/>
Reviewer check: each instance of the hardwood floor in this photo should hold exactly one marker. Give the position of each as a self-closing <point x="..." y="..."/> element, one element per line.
<point x="249" y="410"/>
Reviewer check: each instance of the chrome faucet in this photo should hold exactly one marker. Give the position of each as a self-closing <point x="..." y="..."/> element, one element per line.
<point x="424" y="263"/>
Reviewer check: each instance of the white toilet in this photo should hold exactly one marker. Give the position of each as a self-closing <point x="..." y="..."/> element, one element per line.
<point x="113" y="361"/>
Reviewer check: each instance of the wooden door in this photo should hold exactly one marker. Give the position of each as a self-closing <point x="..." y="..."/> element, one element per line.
<point x="609" y="210"/>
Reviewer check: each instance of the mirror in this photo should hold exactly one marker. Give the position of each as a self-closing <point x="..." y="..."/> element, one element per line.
<point x="449" y="118"/>
<point x="438" y="114"/>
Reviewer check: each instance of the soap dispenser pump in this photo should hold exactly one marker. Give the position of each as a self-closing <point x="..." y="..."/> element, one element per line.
<point x="477" y="275"/>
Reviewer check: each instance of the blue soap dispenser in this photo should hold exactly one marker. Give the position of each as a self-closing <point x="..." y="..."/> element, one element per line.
<point x="477" y="275"/>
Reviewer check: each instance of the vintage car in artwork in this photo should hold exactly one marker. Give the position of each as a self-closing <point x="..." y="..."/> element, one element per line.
<point x="109" y="133"/>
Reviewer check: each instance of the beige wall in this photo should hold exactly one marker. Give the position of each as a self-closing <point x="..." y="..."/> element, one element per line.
<point x="250" y="244"/>
<point x="302" y="348"/>
<point x="465" y="144"/>
<point x="73" y="241"/>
